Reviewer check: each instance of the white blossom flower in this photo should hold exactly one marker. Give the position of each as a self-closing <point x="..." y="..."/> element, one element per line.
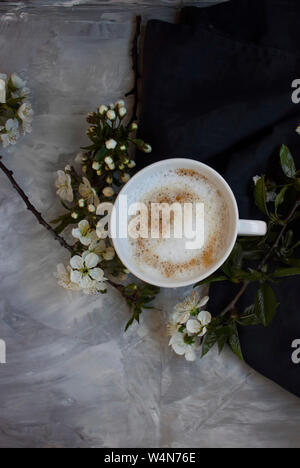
<point x="183" y="349"/>
<point x="88" y="193"/>
<point x="81" y="203"/>
<point x="63" y="277"/>
<point x="84" y="233"/>
<point x="108" y="192"/>
<point x="122" y="111"/>
<point x="86" y="274"/>
<point x="75" y="215"/>
<point x="17" y="81"/>
<point x="64" y="186"/>
<point x="189" y="306"/>
<point x="111" y="115"/>
<point x="103" y="109"/>
<point x="111" y="144"/>
<point x="2" y="91"/>
<point x="199" y="326"/>
<point x="25" y="112"/>
<point x="12" y="132"/>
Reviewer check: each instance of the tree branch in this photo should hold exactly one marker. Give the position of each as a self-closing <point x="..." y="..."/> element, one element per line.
<point x="135" y="67"/>
<point x="31" y="208"/>
<point x="245" y="285"/>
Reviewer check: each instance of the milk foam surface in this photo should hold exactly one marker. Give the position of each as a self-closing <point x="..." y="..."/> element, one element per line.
<point x="169" y="258"/>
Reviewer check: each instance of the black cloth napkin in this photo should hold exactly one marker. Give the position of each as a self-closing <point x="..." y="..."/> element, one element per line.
<point x="217" y="88"/>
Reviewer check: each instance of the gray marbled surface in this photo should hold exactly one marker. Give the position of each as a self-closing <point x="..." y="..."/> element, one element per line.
<point x="73" y="378"/>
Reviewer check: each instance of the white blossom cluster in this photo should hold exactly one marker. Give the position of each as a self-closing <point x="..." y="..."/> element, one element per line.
<point x="16" y="113"/>
<point x="188" y="325"/>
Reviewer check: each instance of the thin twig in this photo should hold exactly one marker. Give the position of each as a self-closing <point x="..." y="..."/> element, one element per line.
<point x="33" y="210"/>
<point x="135" y="67"/>
<point x="245" y="285"/>
<point x="41" y="220"/>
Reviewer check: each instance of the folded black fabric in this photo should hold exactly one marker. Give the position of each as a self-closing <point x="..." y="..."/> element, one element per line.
<point x="217" y="88"/>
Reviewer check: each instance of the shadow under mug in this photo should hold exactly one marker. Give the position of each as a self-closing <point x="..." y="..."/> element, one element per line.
<point x="236" y="226"/>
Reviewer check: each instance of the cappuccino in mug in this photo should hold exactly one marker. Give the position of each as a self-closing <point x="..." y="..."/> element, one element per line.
<point x="149" y="245"/>
<point x="171" y="199"/>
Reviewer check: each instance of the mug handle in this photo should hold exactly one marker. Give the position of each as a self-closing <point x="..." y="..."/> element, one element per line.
<point x="247" y="227"/>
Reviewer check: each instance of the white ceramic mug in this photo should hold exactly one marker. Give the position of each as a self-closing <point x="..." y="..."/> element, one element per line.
<point x="236" y="226"/>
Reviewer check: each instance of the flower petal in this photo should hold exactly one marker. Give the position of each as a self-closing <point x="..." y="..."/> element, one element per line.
<point x="83" y="225"/>
<point x="203" y="301"/>
<point x="76" y="233"/>
<point x="76" y="262"/>
<point x="193" y="326"/>
<point x="204" y="317"/>
<point x="91" y="260"/>
<point x="76" y="276"/>
<point x="97" y="274"/>
<point x="190" y="354"/>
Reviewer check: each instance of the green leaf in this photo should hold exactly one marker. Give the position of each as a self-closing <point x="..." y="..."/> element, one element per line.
<point x="234" y="341"/>
<point x="283" y="272"/>
<point x="248" y="317"/>
<point x="287" y="162"/>
<point x="260" y="195"/>
<point x="280" y="198"/>
<point x="222" y="340"/>
<point x="265" y="304"/>
<point x="100" y="154"/>
<point x="210" y="339"/>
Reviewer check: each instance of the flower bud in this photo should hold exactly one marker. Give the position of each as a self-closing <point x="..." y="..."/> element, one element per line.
<point x="111" y="115"/>
<point x="108" y="192"/>
<point x="109" y="179"/>
<point x="96" y="166"/>
<point x="81" y="203"/>
<point x="131" y="164"/>
<point x="99" y="173"/>
<point x="68" y="168"/>
<point x="84" y="169"/>
<point x="110" y="144"/>
<point x="147" y="148"/>
<point x="123" y="147"/>
<point x="75" y="215"/>
<point x="120" y="103"/>
<point x="103" y="109"/>
<point x="91" y="208"/>
<point x="122" y="111"/>
<point x="134" y="126"/>
<point x="109" y="160"/>
<point x="111" y="106"/>
<point x="121" y="166"/>
<point x="125" y="177"/>
<point x="109" y="253"/>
